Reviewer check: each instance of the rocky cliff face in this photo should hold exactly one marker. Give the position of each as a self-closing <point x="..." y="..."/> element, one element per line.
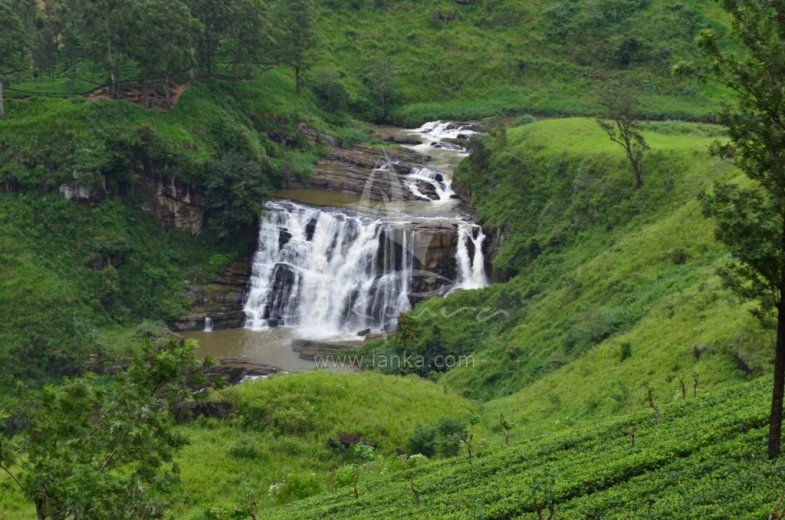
<point x="175" y="204"/>
<point x="221" y="300"/>
<point x="354" y="172"/>
<point x="435" y="267"/>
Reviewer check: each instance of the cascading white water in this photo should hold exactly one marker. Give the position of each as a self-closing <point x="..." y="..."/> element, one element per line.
<point x="208" y="325"/>
<point x="470" y="257"/>
<point x="328" y="272"/>
<point x="436" y="138"/>
<point x="442" y="184"/>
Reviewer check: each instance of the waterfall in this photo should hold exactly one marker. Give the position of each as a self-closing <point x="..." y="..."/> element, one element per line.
<point x="470" y="257"/>
<point x="331" y="271"/>
<point x="208" y="325"/>
<point x="328" y="271"/>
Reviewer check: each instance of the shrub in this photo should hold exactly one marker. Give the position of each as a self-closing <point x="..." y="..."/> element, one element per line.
<point x="422" y="441"/>
<point x="525" y="119"/>
<point x="442" y="439"/>
<point x="296" y="486"/>
<point x="450" y="433"/>
<point x="351" y="137"/>
<point x="679" y="257"/>
<point x="235" y="194"/>
<point x="626" y="351"/>
<point x="329" y="90"/>
<point x="245" y="448"/>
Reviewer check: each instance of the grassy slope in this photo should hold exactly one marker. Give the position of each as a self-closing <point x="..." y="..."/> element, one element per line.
<point x="45" y="140"/>
<point x="616" y="266"/>
<point x="508" y="57"/>
<point x="707" y="460"/>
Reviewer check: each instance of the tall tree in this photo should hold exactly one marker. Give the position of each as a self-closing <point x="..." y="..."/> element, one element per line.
<point x="13" y="46"/>
<point x="248" y="34"/>
<point x="622" y="127"/>
<point x="215" y="17"/>
<point x="381" y="75"/>
<point x="168" y="42"/>
<point x="111" y="33"/>
<point x="295" y="25"/>
<point x="92" y="450"/>
<point x="751" y="220"/>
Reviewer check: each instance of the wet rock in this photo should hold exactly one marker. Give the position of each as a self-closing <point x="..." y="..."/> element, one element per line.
<point x="233" y="370"/>
<point x="354" y="172"/>
<point x="364" y="332"/>
<point x="310" y="228"/>
<point x="399" y="139"/>
<point x="221" y="299"/>
<point x="284" y="238"/>
<point x="273" y="323"/>
<point x="173" y="202"/>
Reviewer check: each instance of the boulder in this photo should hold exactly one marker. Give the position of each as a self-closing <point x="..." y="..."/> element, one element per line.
<point x="221" y="299"/>
<point x="311" y="349"/>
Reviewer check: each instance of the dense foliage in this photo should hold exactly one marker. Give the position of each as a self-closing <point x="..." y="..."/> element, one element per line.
<point x="85" y="449"/>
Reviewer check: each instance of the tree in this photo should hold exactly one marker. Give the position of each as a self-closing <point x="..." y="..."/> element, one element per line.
<point x="215" y="17"/>
<point x="622" y="127"/>
<point x="12" y="47"/>
<point x="295" y="24"/>
<point x="235" y="195"/>
<point x="247" y="35"/>
<point x="751" y="220"/>
<point x="381" y="75"/>
<point x="110" y="32"/>
<point x="171" y="35"/>
<point x="89" y="450"/>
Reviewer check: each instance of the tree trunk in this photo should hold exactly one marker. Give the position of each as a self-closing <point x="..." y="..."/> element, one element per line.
<point x="638" y="176"/>
<point x="166" y="87"/>
<point x="40" y="514"/>
<point x="775" y="425"/>
<point x="2" y="103"/>
<point x="297" y="79"/>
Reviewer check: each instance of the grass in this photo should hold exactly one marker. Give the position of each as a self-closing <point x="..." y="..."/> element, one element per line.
<point x="505" y="58"/>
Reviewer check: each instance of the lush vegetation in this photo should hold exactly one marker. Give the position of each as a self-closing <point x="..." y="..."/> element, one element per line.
<point x="85" y="449"/>
<point x="605" y="262"/>
<point x="594" y="267"/>
<point x="706" y="460"/>
<point x="76" y="281"/>
<point x="275" y="447"/>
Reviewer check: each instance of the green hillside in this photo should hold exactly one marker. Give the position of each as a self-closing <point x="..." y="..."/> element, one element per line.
<point x="706" y="460"/>
<point x="593" y="269"/>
